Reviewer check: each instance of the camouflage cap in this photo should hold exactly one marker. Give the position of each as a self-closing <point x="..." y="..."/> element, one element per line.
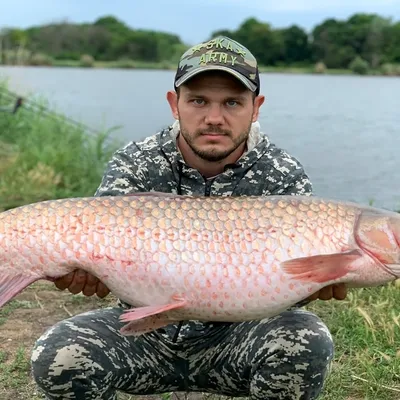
<point x="219" y="53"/>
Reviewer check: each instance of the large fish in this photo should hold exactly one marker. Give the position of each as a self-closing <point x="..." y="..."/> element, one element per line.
<point x="206" y="258"/>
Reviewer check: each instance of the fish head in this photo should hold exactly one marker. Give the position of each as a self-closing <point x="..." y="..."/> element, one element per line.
<point x="378" y="233"/>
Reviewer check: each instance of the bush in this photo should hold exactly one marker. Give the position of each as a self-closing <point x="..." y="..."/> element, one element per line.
<point x="320" y="68"/>
<point x="87" y="61"/>
<point x="125" y="63"/>
<point x="16" y="57"/>
<point x="40" y="59"/>
<point x="359" y="66"/>
<point x="390" y="69"/>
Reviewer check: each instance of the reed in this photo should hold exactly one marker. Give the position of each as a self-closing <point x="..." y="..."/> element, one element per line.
<point x="44" y="155"/>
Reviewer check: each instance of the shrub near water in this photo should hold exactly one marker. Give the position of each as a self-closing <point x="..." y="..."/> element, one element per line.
<point x="359" y="66"/>
<point x="44" y="157"/>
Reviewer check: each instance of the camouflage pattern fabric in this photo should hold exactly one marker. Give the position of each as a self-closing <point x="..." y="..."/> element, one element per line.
<point x="286" y="357"/>
<point x="220" y="53"/>
<point x="283" y="358"/>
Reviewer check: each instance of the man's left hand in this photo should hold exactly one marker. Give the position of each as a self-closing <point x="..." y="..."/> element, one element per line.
<point x="338" y="292"/>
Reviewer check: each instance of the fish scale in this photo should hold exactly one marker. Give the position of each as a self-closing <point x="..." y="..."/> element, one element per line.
<point x="187" y="257"/>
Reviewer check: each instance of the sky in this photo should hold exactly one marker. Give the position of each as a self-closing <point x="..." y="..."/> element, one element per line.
<point x="187" y="18"/>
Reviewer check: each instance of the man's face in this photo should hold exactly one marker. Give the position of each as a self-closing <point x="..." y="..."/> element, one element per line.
<point x="215" y="112"/>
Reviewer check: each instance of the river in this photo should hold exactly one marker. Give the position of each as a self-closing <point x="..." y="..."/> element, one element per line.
<point x="344" y="129"/>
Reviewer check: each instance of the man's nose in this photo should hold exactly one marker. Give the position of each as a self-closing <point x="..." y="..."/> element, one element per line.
<point x="215" y="115"/>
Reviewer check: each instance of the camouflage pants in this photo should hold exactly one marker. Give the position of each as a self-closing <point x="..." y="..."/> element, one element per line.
<point x="85" y="357"/>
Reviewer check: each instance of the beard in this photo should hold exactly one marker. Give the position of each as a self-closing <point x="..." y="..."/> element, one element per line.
<point x="213" y="154"/>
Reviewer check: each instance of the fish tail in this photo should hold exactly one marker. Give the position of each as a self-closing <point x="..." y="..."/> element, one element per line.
<point x="12" y="285"/>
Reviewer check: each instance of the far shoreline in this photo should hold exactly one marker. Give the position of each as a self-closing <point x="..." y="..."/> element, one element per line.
<point x="168" y="66"/>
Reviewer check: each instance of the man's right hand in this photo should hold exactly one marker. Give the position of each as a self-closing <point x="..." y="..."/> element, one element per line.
<point x="81" y="281"/>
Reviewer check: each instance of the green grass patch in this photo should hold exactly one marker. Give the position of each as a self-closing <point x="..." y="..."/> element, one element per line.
<point x="123" y="64"/>
<point x="45" y="156"/>
<point x="13" y="305"/>
<point x="366" y="331"/>
<point x="14" y="371"/>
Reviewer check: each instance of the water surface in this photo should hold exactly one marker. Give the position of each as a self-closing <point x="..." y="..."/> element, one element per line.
<point x="344" y="129"/>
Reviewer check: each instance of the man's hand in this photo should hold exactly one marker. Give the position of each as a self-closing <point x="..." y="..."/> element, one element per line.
<point x="338" y="292"/>
<point x="81" y="281"/>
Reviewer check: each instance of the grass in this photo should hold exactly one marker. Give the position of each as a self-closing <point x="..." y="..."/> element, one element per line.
<point x="366" y="330"/>
<point x="14" y="371"/>
<point x="22" y="321"/>
<point x="45" y="157"/>
<point x="128" y="64"/>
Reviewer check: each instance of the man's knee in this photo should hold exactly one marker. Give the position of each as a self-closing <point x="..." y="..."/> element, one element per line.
<point x="67" y="358"/>
<point x="302" y="334"/>
<point x="293" y="357"/>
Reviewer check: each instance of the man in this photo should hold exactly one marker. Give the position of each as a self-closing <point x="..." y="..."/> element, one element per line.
<point x="215" y="147"/>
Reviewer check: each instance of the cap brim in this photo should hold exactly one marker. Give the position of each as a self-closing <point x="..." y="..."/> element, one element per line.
<point x="250" y="85"/>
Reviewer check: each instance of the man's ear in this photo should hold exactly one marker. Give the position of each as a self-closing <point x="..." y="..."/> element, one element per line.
<point x="172" y="98"/>
<point x="258" y="102"/>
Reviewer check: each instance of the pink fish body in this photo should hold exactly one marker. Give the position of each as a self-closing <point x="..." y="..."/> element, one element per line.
<point x="206" y="258"/>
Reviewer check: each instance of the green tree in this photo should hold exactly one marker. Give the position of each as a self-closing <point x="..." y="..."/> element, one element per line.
<point x="334" y="43"/>
<point x="265" y="43"/>
<point x="368" y="35"/>
<point x="330" y="44"/>
<point x="392" y="43"/>
<point x="296" y="45"/>
<point x="18" y="37"/>
<point x="222" y="32"/>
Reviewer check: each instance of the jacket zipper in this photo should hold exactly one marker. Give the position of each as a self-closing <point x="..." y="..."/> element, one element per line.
<point x="207" y="190"/>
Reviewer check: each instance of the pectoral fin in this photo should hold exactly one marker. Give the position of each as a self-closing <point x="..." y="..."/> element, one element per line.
<point x="145" y="325"/>
<point x="135" y="314"/>
<point x="321" y="268"/>
<point x="146" y="319"/>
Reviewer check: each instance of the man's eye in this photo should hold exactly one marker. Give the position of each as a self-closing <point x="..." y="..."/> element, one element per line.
<point x="232" y="103"/>
<point x="198" y="101"/>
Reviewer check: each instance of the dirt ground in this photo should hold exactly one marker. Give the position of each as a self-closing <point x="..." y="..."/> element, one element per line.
<point x="25" y="319"/>
<point x="22" y="321"/>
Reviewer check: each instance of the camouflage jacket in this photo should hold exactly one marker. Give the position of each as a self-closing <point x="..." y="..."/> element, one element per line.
<point x="155" y="164"/>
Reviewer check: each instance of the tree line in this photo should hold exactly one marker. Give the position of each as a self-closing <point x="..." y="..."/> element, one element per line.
<point x="336" y="43"/>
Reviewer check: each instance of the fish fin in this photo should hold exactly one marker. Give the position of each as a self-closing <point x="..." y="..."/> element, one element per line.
<point x="321" y="268"/>
<point x="134" y="314"/>
<point x="11" y="285"/>
<point x="145" y="325"/>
